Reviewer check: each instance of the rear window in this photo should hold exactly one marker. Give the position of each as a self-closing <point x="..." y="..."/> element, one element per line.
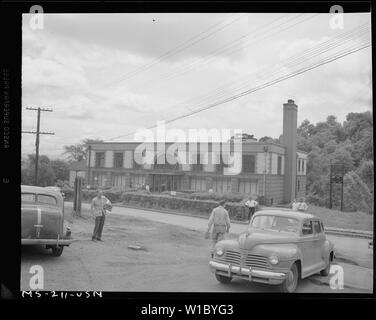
<point x="42" y="198"/>
<point x="28" y="197"/>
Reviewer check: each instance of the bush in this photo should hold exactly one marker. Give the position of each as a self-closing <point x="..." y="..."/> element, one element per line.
<point x="237" y="211"/>
<point x="113" y="194"/>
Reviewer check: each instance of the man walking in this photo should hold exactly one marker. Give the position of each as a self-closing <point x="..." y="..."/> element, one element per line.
<point x="100" y="205"/>
<point x="220" y="221"/>
<point x="251" y="205"/>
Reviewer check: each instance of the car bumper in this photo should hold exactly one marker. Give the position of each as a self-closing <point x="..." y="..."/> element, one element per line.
<point x="50" y="242"/>
<point x="263" y="276"/>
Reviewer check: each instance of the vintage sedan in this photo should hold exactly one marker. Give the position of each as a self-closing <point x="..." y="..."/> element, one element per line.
<point x="280" y="247"/>
<point x="42" y="219"/>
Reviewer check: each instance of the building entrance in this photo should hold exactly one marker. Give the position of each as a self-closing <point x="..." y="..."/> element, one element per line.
<point x="165" y="182"/>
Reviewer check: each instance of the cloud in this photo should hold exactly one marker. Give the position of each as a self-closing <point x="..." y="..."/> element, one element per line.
<point x="79" y="65"/>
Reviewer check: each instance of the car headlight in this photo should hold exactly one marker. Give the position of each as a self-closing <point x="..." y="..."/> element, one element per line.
<point x="273" y="260"/>
<point x="219" y="251"/>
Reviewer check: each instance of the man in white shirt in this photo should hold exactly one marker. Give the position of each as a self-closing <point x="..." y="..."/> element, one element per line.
<point x="302" y="206"/>
<point x="100" y="206"/>
<point x="294" y="205"/>
<point x="220" y="221"/>
<point x="251" y="205"/>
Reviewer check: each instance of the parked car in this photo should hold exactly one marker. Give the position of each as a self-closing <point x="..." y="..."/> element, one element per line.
<point x="279" y="248"/>
<point x="42" y="219"/>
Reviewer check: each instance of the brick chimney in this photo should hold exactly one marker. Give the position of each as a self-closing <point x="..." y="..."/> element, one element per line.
<point x="289" y="140"/>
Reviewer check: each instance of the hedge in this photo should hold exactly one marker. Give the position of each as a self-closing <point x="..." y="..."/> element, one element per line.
<point x="87" y="195"/>
<point x="237" y="211"/>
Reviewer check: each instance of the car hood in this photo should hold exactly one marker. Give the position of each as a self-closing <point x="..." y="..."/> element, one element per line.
<point x="254" y="237"/>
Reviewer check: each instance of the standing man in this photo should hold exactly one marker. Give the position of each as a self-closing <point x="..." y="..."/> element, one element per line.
<point x="220" y="221"/>
<point x="251" y="204"/>
<point x="294" y="205"/>
<point x="302" y="206"/>
<point x="100" y="206"/>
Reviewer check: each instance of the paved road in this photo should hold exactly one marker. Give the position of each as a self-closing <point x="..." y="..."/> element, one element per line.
<point x="350" y="248"/>
<point x="175" y="260"/>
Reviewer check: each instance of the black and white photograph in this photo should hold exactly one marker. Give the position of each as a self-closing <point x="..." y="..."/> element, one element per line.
<point x="197" y="152"/>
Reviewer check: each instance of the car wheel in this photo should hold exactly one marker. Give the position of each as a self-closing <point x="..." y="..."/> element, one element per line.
<point x="223" y="279"/>
<point x="326" y="271"/>
<point x="57" y="251"/>
<point x="291" y="282"/>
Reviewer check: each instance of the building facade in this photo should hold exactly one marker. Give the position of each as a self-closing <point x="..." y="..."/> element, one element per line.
<point x="275" y="171"/>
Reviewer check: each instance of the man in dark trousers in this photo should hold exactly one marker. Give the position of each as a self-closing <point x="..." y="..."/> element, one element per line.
<point x="100" y="206"/>
<point x="220" y="221"/>
<point x="251" y="205"/>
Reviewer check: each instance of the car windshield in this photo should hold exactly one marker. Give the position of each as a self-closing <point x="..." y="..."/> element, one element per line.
<point x="277" y="223"/>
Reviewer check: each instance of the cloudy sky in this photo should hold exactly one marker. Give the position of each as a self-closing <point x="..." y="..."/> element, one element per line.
<point x="108" y="75"/>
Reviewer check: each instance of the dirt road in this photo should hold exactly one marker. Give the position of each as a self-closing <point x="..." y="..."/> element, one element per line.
<point x="173" y="258"/>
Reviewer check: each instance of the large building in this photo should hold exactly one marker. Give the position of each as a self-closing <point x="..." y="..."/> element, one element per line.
<point x="275" y="171"/>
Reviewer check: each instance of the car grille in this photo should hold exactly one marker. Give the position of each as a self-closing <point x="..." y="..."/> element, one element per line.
<point x="232" y="257"/>
<point x="236" y="258"/>
<point x="256" y="261"/>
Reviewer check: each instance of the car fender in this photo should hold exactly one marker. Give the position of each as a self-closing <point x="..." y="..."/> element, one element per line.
<point x="327" y="248"/>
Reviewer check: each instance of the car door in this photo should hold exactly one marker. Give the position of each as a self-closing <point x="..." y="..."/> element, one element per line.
<point x="319" y="244"/>
<point x="308" y="248"/>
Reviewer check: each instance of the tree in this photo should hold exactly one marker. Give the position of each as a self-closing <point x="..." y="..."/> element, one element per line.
<point x="350" y="143"/>
<point x="357" y="196"/>
<point x="61" y="169"/>
<point x="267" y="139"/>
<point x="46" y="175"/>
<point x="365" y="172"/>
<point x="78" y="152"/>
<point x="49" y="171"/>
<point x="75" y="152"/>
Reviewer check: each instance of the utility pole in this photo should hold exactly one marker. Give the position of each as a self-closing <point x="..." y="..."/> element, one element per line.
<point x="88" y="169"/>
<point x="37" y="133"/>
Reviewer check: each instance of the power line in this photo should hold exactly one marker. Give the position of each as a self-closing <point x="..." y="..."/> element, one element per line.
<point x="265" y="85"/>
<point x="188" y="43"/>
<point x="295" y="60"/>
<point x="214" y="54"/>
<point x="37" y="133"/>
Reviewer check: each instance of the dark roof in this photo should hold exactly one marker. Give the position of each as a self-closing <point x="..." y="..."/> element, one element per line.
<point x="78" y="166"/>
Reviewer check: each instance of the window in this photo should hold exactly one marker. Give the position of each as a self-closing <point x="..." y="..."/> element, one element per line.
<point x="307" y="228"/>
<point x="198" y="184"/>
<point x="248" y="163"/>
<point x="275" y="223"/>
<point x="221" y="185"/>
<point x="28" y="197"/>
<point x="303" y="163"/>
<point x="198" y="166"/>
<point x="222" y="163"/>
<point x="317" y="226"/>
<point x="279" y="165"/>
<point x="42" y="198"/>
<point x="138" y="180"/>
<point x="248" y="187"/>
<point x="118" y="159"/>
<point x="99" y="159"/>
<point x="298" y="165"/>
<point x="298" y="185"/>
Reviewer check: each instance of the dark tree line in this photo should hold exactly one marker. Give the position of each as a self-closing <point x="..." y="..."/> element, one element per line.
<point x="50" y="173"/>
<point x="350" y="143"/>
